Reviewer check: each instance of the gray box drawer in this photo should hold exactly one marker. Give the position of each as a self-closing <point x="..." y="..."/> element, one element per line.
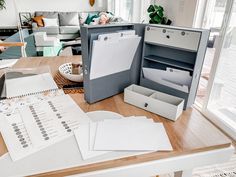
<point x="188" y="40"/>
<point x="165" y="105"/>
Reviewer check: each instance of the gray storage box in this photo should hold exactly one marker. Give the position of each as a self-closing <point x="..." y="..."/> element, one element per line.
<point x="161" y="48"/>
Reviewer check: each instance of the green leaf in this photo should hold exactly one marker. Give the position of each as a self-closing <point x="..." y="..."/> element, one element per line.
<point x="156" y="7"/>
<point x="153" y="14"/>
<point x="161" y="14"/>
<point x="157" y="19"/>
<point x="160" y="8"/>
<point x="2" y="4"/>
<point x="163" y="22"/>
<point x="151" y="21"/>
<point x="150" y="9"/>
<point x="168" y="22"/>
<point x="157" y="16"/>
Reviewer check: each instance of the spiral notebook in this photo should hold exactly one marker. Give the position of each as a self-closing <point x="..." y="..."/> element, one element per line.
<point x="29" y="85"/>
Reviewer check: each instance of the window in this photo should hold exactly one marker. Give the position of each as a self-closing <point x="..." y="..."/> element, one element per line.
<point x="129" y="10"/>
<point x="220" y="106"/>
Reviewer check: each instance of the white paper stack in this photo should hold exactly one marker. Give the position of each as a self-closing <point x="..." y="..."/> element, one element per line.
<point x="124" y="134"/>
<point x="175" y="78"/>
<point x="113" y="53"/>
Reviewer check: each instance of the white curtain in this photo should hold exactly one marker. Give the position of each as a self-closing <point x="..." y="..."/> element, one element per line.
<point x="130" y="10"/>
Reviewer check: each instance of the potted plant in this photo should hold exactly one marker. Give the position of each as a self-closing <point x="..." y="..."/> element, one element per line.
<point x="2" y="4"/>
<point x="157" y="16"/>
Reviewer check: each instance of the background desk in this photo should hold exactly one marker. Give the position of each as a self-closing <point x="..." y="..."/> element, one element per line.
<point x="195" y="140"/>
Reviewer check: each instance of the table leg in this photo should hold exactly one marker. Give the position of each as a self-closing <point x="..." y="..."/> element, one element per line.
<point x="185" y="173"/>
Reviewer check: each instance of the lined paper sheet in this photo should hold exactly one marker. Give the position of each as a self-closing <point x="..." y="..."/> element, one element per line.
<point x="50" y="120"/>
<point x="37" y="126"/>
<point x="35" y="163"/>
<point x="11" y="106"/>
<point x="16" y="137"/>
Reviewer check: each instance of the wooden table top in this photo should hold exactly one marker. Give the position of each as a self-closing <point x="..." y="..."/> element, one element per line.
<point x="191" y="133"/>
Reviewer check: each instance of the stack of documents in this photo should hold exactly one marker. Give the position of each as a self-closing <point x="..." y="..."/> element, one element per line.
<point x="113" y="53"/>
<point x="124" y="134"/>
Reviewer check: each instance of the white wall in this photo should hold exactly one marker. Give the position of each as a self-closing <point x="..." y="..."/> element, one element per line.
<point x="181" y="12"/>
<point x="8" y="16"/>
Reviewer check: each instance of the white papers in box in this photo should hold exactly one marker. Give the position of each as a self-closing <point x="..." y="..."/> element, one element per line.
<point x="177" y="79"/>
<point x="112" y="55"/>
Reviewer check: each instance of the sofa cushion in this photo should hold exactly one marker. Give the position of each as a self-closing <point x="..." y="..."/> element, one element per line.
<point x="49" y="30"/>
<point x="90" y="18"/>
<point x="38" y="20"/>
<point x="84" y="16"/>
<point x="47" y="14"/>
<point x="69" y="29"/>
<point x="49" y="22"/>
<point x="69" y="18"/>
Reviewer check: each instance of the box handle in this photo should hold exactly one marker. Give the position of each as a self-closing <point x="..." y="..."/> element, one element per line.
<point x="146" y="105"/>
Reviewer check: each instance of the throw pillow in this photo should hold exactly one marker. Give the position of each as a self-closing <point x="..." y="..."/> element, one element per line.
<point x="95" y="21"/>
<point x="38" y="20"/>
<point x="90" y="18"/>
<point x="83" y="17"/>
<point x="69" y="19"/>
<point x="104" y="18"/>
<point x="49" y="22"/>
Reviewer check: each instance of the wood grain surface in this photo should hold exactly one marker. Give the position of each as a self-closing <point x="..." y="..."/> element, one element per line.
<point x="191" y="133"/>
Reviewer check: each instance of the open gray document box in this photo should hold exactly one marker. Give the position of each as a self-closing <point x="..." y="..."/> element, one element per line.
<point x="163" y="58"/>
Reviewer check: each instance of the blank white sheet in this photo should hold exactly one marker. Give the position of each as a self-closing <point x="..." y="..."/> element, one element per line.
<point x="139" y="136"/>
<point x="35" y="163"/>
<point x="30" y="84"/>
<point x="112" y="56"/>
<point x="82" y="138"/>
<point x="6" y="63"/>
<point x="128" y="120"/>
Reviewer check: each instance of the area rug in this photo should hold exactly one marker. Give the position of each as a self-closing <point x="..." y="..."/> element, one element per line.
<point x="227" y="169"/>
<point x="61" y="81"/>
